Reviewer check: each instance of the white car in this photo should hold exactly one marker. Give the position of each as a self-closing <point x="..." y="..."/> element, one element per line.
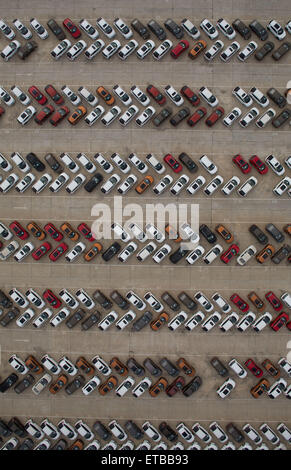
<point x="277" y="388"/>
<point x="120" y="163"/>
<point x="162" y="49"/>
<point x="230" y="185"/>
<point x="155" y="164"/>
<point x="282" y="186"/>
<point x="50" y="364"/>
<point x="105" y="28"/>
<point x="155" y="233"/>
<point x="135" y="300"/>
<point x="68" y="298"/>
<point x="204" y="302"/>
<point x="213" y="185"/>
<point x="39" y="28"/>
<point x="252" y="434"/>
<point x="262" y="322"/>
<point x="177" y="320"/>
<point x="43" y="318"/>
<point x="10" y="50"/>
<point x="117" y="430"/>
<point x="146" y="251"/>
<point x="88" y="29"/>
<point x="153" y="302"/>
<point x="45" y="444"/>
<point x="206" y="94"/>
<point x="122" y="95"/>
<point x="145" y="116"/>
<point x="246" y="255"/>
<point x="60" y="317"/>
<point x="69" y="162"/>
<point x="139" y="164"/>
<point x="247" y="186"/>
<point x="73" y="97"/>
<point x="259" y="97"/>
<point x="127" y="252"/>
<point x="234" y="114"/>
<point x="24" y="184"/>
<point x="163" y="184"/>
<point x="127" y="184"/>
<point x="188" y="233"/>
<point x="41" y="183"/>
<point x="41" y="384"/>
<point x="218" y="432"/>
<point x="111" y="115"/>
<point x="125" y="385"/>
<point x="33" y="429"/>
<point x="221" y="302"/>
<point x="284" y="431"/>
<point x="195" y="320"/>
<point x="209" y="28"/>
<point x="201" y="433"/>
<point x="111" y="49"/>
<point x="226" y="28"/>
<point x="145" y="49"/>
<point x="105" y="165"/>
<point x="127" y="49"/>
<point x="269" y="433"/>
<point x="76" y="49"/>
<point x="162" y="253"/>
<point x="101" y="365"/>
<point x="26" y="250"/>
<point x="285" y="365"/>
<point x="6" y="97"/>
<point x="138" y="233"/>
<point x="9" y="250"/>
<point x="212" y="254"/>
<point x="4" y="164"/>
<point x="8" y="183"/>
<point x="288" y="162"/>
<point x="6" y="30"/>
<point x="123" y="28"/>
<point x="91" y="385"/>
<point x="151" y="431"/>
<point x="49" y="429"/>
<point x="75" y="252"/>
<point x="5" y="232"/>
<point x="92" y="117"/>
<point x="243" y="97"/>
<point x="88" y="96"/>
<point x="120" y="233"/>
<point x="59" y="182"/>
<point x="108" y="320"/>
<point x="247" y="51"/>
<point x="179" y="184"/>
<point x="141" y="387"/>
<point x="18" y="298"/>
<point x="208" y="164"/>
<point x="94" y="49"/>
<point x="34" y="298"/>
<point x="246" y="321"/>
<point x="196" y="184"/>
<point x="213" y="50"/>
<point x="249" y="117"/>
<point x="211" y="321"/>
<point x="226" y="388"/>
<point x="174" y="96"/>
<point x="60" y="49"/>
<point x="275" y="165"/>
<point x="230" y="51"/>
<point x="237" y="368"/>
<point x="110" y="183"/>
<point x="85" y="299"/>
<point x="76" y="183"/>
<point x="190" y="28"/>
<point x="185" y="432"/>
<point x="276" y="29"/>
<point x="68" y="366"/>
<point x="265" y="118"/>
<point x="18" y="364"/>
<point x="288" y="27"/>
<point x="26" y="115"/>
<point x="140" y="95"/>
<point x="286" y="299"/>
<point x="67" y="429"/>
<point x="229" y="322"/>
<point x="195" y="254"/>
<point x="127" y="318"/>
<point x="86" y="163"/>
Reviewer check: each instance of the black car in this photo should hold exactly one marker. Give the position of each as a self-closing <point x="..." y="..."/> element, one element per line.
<point x="135" y="367"/>
<point x="90" y="321"/>
<point x="264" y="50"/>
<point x="8" y="382"/>
<point x="53" y="163"/>
<point x="133" y="429"/>
<point x="152" y="367"/>
<point x="27" y="444"/>
<point x="102" y="299"/>
<point x="60" y="445"/>
<point x="259" y="30"/>
<point x="192" y="386"/>
<point x="119" y="300"/>
<point x="281" y="254"/>
<point x="143" y="321"/>
<point x="73" y="386"/>
<point x="188" y="162"/>
<point x="17" y="427"/>
<point x="167" y="431"/>
<point x="140" y="28"/>
<point x="162" y="116"/>
<point x="24" y="383"/>
<point x="276" y="96"/>
<point x="27" y="49"/>
<point x="207" y="233"/>
<point x="75" y="318"/>
<point x="4" y="429"/>
<point x="170" y="301"/>
<point x="111" y="251"/>
<point x="35" y="162"/>
<point x="178" y="255"/>
<point x="174" y="28"/>
<point x="4" y="300"/>
<point x="258" y="234"/>
<point x="283" y="117"/>
<point x="157" y="30"/>
<point x="275" y="233"/>
<point x="281" y="51"/>
<point x="219" y="367"/>
<point x="169" y="367"/>
<point x="187" y="301"/>
<point x="101" y="430"/>
<point x="242" y="28"/>
<point x="9" y="316"/>
<point x="93" y="182"/>
<point x="180" y="116"/>
<point x="56" y="29"/>
<point x="235" y="433"/>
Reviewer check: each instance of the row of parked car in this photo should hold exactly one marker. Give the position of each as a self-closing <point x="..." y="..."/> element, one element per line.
<point x="81" y="309"/>
<point x="62" y="435"/>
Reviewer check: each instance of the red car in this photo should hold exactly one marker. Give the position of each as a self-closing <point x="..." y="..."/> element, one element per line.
<point x="197" y="116"/>
<point x="2" y="110"/>
<point x="85" y="230"/>
<point x="72" y="28"/>
<point x="54" y="94"/>
<point x="41" y="251"/>
<point x="51" y="230"/>
<point x="241" y="163"/>
<point x="240" y="303"/>
<point x="58" y="251"/>
<point x="181" y="47"/>
<point x="44" y="113"/>
<point x="190" y="95"/>
<point x="19" y="231"/>
<point x="37" y="95"/>
<point x="156" y="94"/>
<point x="173" y="163"/>
<point x="252" y="366"/>
<point x="59" y="115"/>
<point x="175" y="386"/>
<point x="288" y="325"/>
<point x="51" y="298"/>
<point x="258" y="165"/>
<point x="230" y="253"/>
<point x="279" y="321"/>
<point x="274" y="301"/>
<point x="214" y="116"/>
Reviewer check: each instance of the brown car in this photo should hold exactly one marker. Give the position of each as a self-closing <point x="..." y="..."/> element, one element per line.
<point x="256" y="300"/>
<point x="176" y="386"/>
<point x="69" y="231"/>
<point x="271" y="369"/>
<point x="58" y="384"/>
<point x="144" y="184"/>
<point x="36" y="231"/>
<point x="107" y="97"/>
<point x="266" y="253"/>
<point x="75" y="117"/>
<point x="118" y="366"/>
<point x="198" y="47"/>
<point x="85" y="366"/>
<point x="262" y="386"/>
<point x="94" y="250"/>
<point x="173" y="235"/>
<point x="158" y="387"/>
<point x="287" y="229"/>
<point x="281" y="254"/>
<point x="108" y="385"/>
<point x="77" y="445"/>
<point x="160" y="321"/>
<point x="224" y="233"/>
<point x="33" y="365"/>
<point x="185" y="367"/>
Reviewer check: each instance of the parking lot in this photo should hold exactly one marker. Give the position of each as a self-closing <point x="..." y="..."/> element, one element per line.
<point x="220" y="144"/>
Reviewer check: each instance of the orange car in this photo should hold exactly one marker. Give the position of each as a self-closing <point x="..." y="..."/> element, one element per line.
<point x="271" y="369"/>
<point x="58" y="384"/>
<point x="118" y="366"/>
<point x="224" y="233"/>
<point x="185" y="367"/>
<point x="108" y="385"/>
<point x="94" y="250"/>
<point x="256" y="300"/>
<point x="198" y="47"/>
<point x="287" y="229"/>
<point x="36" y="231"/>
<point x="265" y="253"/>
<point x="262" y="386"/>
<point x="75" y="117"/>
<point x="69" y="231"/>
<point x="77" y="445"/>
<point x="173" y="235"/>
<point x="144" y="184"/>
<point x="33" y="365"/>
<point x="108" y="98"/>
<point x="158" y="387"/>
<point x="84" y="366"/>
<point x="160" y="321"/>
